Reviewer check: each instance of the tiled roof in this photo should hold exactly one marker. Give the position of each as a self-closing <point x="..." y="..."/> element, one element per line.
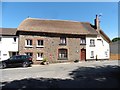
<point x="104" y="36"/>
<point x="57" y="26"/>
<point x="8" y="31"/>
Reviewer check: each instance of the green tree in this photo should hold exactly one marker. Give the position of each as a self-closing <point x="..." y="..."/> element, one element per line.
<point x="115" y="39"/>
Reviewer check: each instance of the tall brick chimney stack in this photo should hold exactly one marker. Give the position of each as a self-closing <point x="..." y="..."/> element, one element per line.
<point x="97" y="22"/>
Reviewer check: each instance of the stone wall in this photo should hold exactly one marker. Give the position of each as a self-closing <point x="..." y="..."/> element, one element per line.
<point x="51" y="46"/>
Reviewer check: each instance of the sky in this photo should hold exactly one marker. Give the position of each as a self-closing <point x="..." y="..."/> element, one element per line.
<point x="13" y="13"/>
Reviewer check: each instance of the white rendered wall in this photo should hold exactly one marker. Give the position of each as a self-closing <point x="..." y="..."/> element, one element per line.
<point x="100" y="49"/>
<point x="7" y="45"/>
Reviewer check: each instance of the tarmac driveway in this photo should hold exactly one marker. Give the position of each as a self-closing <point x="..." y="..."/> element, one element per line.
<point x="91" y="74"/>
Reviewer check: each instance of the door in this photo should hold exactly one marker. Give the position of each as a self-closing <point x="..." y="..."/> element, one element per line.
<point x="83" y="54"/>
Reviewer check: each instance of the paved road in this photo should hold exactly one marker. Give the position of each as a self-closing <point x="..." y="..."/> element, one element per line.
<point x="82" y="74"/>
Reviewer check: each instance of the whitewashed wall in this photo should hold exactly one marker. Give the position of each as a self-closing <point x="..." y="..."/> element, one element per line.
<point x="7" y="44"/>
<point x="103" y="49"/>
<point x="100" y="49"/>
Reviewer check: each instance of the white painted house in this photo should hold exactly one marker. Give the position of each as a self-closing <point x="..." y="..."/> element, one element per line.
<point x="97" y="47"/>
<point x="8" y="43"/>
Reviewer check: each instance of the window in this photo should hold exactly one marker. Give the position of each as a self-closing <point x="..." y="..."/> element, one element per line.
<point x="39" y="56"/>
<point x="0" y="39"/>
<point x="14" y="39"/>
<point x="92" y="54"/>
<point x="29" y="53"/>
<point x="106" y="53"/>
<point x="40" y="43"/>
<point x="82" y="41"/>
<point x="92" y="42"/>
<point x="62" y="41"/>
<point x="28" y="43"/>
<point x="0" y="55"/>
<point x="62" y="54"/>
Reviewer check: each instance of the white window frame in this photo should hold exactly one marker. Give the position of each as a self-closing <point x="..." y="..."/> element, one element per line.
<point x="92" y="54"/>
<point x="27" y="44"/>
<point x="92" y="42"/>
<point x="41" y="44"/>
<point x="40" y="56"/>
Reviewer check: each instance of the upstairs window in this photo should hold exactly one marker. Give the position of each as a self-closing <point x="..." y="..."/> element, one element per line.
<point x="82" y="41"/>
<point x="14" y="39"/>
<point x="28" y="43"/>
<point x="40" y="43"/>
<point x="92" y="42"/>
<point x="62" y="41"/>
<point x="0" y="39"/>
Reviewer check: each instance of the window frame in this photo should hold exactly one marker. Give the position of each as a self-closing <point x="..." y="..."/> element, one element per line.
<point x="28" y="43"/>
<point x="0" y="39"/>
<point x="83" y="41"/>
<point x="92" y="42"/>
<point x="15" y="39"/>
<point x="42" y="43"/>
<point x="28" y="53"/>
<point x="62" y="55"/>
<point x="63" y="41"/>
<point x="92" y="54"/>
<point x="40" y="56"/>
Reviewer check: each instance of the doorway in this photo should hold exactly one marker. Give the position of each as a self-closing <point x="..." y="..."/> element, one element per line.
<point x="83" y="54"/>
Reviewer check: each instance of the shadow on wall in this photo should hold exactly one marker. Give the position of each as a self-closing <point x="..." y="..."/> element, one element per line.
<point x="82" y="77"/>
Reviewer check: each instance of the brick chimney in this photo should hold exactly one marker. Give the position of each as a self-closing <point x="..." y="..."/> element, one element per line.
<point x="97" y="22"/>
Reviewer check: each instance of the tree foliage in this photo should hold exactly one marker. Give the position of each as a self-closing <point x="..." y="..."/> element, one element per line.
<point x="115" y="39"/>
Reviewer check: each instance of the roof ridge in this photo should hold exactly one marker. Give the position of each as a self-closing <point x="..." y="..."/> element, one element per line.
<point x="55" y="20"/>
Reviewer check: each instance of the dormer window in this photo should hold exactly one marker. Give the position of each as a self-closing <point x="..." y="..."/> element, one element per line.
<point x="62" y="40"/>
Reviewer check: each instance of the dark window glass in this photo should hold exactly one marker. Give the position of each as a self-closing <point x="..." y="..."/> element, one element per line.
<point x="40" y="42"/>
<point x="62" y="40"/>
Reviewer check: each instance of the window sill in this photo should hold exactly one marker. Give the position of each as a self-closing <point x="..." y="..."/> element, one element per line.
<point x="40" y="59"/>
<point x="92" y="57"/>
<point x="62" y="58"/>
<point x="82" y="43"/>
<point x="40" y="46"/>
<point x="62" y="44"/>
<point x="14" y="43"/>
<point x="29" y="46"/>
<point x="92" y="45"/>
